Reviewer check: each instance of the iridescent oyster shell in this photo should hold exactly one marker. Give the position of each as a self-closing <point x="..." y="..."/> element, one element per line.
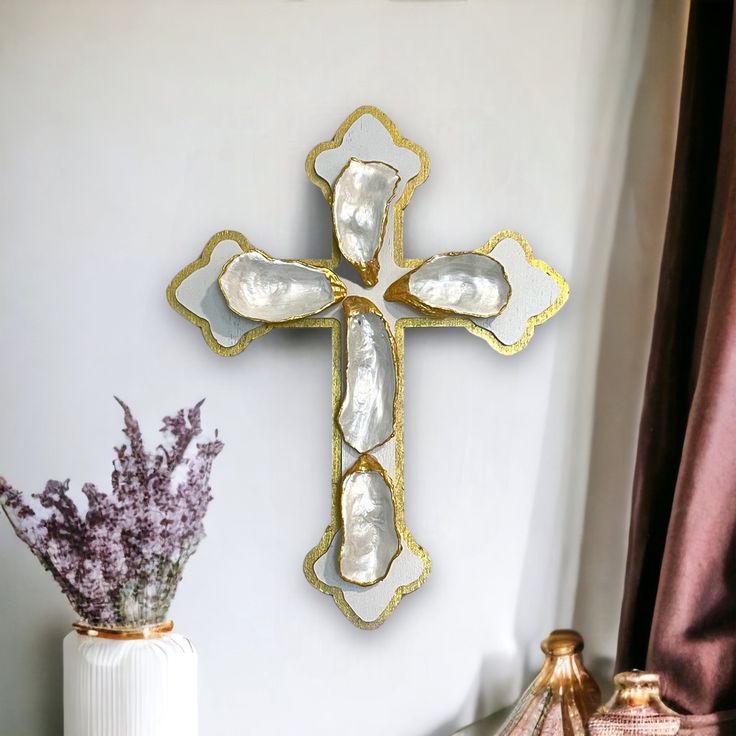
<point x="366" y="417"/>
<point x="370" y="540"/>
<point x="360" y="201"/>
<point x="465" y="284"/>
<point x="270" y="290"/>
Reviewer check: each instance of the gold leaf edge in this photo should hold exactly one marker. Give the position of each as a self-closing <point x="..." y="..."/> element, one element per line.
<point x="201" y="322"/>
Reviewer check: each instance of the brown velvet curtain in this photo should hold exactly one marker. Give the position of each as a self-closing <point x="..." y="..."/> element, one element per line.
<point x="679" y="609"/>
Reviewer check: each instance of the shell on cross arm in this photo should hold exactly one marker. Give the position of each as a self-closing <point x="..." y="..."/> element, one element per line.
<point x="270" y="290"/>
<point x="467" y="284"/>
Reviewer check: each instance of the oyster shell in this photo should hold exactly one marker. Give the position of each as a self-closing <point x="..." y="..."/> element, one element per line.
<point x="370" y="540"/>
<point x="269" y="290"/>
<point x="467" y="284"/>
<point x="366" y="417"/>
<point x="361" y="196"/>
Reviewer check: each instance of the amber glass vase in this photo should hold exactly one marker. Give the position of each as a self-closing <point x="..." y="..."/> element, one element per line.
<point x="562" y="697"/>
<point x="636" y="709"/>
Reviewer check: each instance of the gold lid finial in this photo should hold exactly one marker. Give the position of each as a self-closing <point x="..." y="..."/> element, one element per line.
<point x="637" y="689"/>
<point x="636" y="678"/>
<point x="561" y="642"/>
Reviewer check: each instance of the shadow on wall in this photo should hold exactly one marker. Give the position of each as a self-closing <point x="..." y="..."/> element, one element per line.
<point x="316" y="222"/>
<point x="491" y="694"/>
<point x="581" y="507"/>
<point x="626" y="331"/>
<point x="627" y="187"/>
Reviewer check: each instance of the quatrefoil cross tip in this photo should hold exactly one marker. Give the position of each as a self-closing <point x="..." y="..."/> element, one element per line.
<point x="367" y="558"/>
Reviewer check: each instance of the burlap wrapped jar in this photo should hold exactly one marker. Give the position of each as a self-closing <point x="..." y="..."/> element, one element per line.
<point x="636" y="709"/>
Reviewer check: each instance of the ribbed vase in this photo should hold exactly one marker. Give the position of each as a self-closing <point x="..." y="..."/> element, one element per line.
<point x="562" y="697"/>
<point x="129" y="683"/>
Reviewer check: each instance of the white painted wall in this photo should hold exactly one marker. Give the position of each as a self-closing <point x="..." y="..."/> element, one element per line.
<point x="131" y="131"/>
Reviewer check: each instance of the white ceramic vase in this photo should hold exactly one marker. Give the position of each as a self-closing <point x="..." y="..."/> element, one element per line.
<point x="129" y="685"/>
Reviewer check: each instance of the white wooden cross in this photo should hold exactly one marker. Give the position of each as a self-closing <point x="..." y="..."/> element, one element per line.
<point x="367" y="559"/>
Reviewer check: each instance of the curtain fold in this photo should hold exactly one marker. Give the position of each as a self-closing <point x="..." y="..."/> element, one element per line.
<point x="679" y="609"/>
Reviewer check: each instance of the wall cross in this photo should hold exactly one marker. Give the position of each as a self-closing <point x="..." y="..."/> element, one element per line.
<point x="367" y="558"/>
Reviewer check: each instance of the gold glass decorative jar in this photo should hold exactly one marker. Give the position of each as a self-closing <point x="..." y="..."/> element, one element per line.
<point x="636" y="709"/>
<point x="562" y="697"/>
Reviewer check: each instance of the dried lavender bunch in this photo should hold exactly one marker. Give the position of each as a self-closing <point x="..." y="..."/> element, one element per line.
<point x="119" y="564"/>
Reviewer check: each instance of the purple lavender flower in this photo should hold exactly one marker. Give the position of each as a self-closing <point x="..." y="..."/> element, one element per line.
<point x="120" y="563"/>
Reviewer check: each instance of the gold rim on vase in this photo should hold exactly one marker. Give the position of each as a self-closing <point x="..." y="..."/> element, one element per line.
<point x="152" y="631"/>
